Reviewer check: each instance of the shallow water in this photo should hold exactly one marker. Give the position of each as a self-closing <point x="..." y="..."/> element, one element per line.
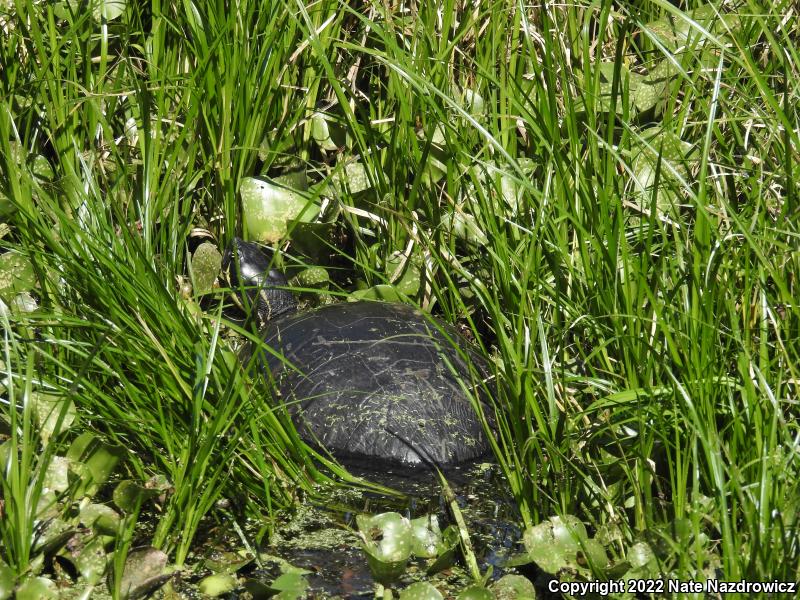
<point x="323" y="539"/>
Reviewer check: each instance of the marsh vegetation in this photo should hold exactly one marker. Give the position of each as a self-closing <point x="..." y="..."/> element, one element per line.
<point x="602" y="196"/>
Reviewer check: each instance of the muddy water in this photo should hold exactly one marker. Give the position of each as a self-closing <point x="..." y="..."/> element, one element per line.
<point x="323" y="540"/>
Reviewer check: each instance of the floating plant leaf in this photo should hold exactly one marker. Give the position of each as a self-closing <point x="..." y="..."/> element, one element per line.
<point x="108" y="9"/>
<point x="465" y="227"/>
<point x="640" y="555"/>
<point x="218" y="584"/>
<point x="434" y="169"/>
<point x="16" y="275"/>
<point x="23" y="303"/>
<point x="143" y="573"/>
<point x="101" y="518"/>
<point x="37" y="588"/>
<point x="206" y="264"/>
<point x="313" y="278"/>
<point x="473" y="102"/>
<point x="568" y="533"/>
<point x="129" y="495"/>
<point x="228" y="562"/>
<point x="674" y="31"/>
<point x="475" y="592"/>
<point x="57" y="475"/>
<point x="289" y="586"/>
<point x="422" y="590"/>
<point x="91" y="561"/>
<point x="93" y="461"/>
<point x="384" y="292"/>
<point x="410" y="277"/>
<point x="427" y="537"/>
<point x="55" y="535"/>
<point x="447" y="551"/>
<point x="552" y="544"/>
<point x="594" y="554"/>
<point x="321" y="132"/>
<point x="7" y="581"/>
<point x="352" y="178"/>
<point x="513" y="587"/>
<point x="269" y="208"/>
<point x="387" y="542"/>
<point x="665" y="151"/>
<point x="54" y="414"/>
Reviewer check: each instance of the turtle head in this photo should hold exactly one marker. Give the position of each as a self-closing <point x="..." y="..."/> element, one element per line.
<point x="261" y="289"/>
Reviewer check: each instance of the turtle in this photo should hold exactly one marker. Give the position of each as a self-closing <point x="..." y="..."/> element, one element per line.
<point x="368" y="380"/>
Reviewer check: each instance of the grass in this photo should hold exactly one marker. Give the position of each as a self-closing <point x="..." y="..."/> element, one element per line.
<point x="617" y="225"/>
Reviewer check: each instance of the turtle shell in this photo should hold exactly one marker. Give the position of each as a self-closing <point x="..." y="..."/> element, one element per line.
<point x="380" y="380"/>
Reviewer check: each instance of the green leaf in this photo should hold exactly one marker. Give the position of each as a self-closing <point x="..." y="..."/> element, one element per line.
<point x="475" y="592"/>
<point x="473" y="102"/>
<point x="37" y="588"/>
<point x="7" y="582"/>
<point x="409" y="279"/>
<point x="640" y="555"/>
<point x="129" y="495"/>
<point x="143" y="573"/>
<point x="387" y="542"/>
<point x="568" y="533"/>
<point x="290" y="586"/>
<point x="91" y="561"/>
<point x="674" y="30"/>
<point x="465" y="227"/>
<point x="108" y="9"/>
<point x="321" y="132"/>
<point x="422" y="590"/>
<point x="513" y="587"/>
<point x="206" y="265"/>
<point x="384" y="292"/>
<point x="446" y="551"/>
<point x="101" y="518"/>
<point x="427" y="537"/>
<point x="16" y="275"/>
<point x="353" y="178"/>
<point x="54" y="414"/>
<point x="313" y="278"/>
<point x="228" y="562"/>
<point x="268" y="209"/>
<point x="93" y="461"/>
<point x="218" y="584"/>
